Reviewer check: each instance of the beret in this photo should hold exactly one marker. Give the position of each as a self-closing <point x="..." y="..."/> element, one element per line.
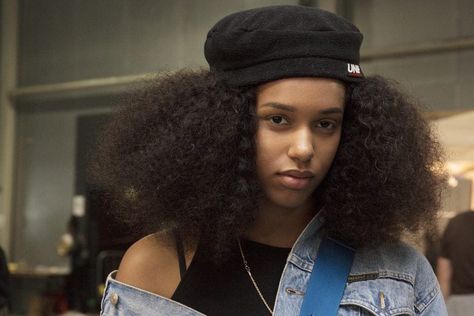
<point x="255" y="46"/>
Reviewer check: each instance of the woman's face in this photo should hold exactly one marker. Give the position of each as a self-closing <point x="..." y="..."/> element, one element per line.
<point x="299" y="128"/>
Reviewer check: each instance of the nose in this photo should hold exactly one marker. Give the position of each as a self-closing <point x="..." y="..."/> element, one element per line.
<point x="302" y="147"/>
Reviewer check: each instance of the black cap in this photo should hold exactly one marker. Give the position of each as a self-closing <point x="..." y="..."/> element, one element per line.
<point x="260" y="45"/>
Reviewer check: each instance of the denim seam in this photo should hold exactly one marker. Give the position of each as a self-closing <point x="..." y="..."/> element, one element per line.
<point x="385" y="274"/>
<point x="403" y="310"/>
<point x="301" y="263"/>
<point x="363" y="304"/>
<point x="102" y="302"/>
<point x="376" y="310"/>
<point x="127" y="288"/>
<point x="423" y="303"/>
<point x="398" y="276"/>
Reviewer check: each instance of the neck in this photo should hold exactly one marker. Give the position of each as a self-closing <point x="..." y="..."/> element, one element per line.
<point x="278" y="226"/>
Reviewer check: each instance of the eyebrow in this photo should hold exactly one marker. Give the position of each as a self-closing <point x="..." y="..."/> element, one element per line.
<point x="289" y="108"/>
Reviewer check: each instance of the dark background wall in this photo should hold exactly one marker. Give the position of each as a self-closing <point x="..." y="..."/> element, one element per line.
<point x="442" y="80"/>
<point x="66" y="41"/>
<point x="75" y="39"/>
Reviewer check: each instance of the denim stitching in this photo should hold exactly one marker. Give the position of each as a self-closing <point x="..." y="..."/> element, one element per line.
<point x="423" y="303"/>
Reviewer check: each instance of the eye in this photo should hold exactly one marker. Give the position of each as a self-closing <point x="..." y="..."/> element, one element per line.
<point x="326" y="125"/>
<point x="278" y="120"/>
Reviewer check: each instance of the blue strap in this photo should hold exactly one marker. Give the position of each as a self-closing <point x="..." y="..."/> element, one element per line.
<point x="328" y="279"/>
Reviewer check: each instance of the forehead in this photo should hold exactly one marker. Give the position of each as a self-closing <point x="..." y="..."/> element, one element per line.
<point x="306" y="91"/>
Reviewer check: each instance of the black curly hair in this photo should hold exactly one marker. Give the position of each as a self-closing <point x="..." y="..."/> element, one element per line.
<point x="181" y="154"/>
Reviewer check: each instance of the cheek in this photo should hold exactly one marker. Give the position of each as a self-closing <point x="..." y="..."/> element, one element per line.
<point x="268" y="151"/>
<point x="328" y="153"/>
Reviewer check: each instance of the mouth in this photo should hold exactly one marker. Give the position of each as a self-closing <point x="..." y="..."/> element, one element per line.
<point x="294" y="183"/>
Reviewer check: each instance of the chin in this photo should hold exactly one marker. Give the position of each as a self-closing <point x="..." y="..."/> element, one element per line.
<point x="288" y="201"/>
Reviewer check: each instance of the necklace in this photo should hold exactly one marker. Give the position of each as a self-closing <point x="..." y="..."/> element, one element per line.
<point x="247" y="268"/>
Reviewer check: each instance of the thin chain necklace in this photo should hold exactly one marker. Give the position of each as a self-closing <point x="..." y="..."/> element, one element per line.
<point x="247" y="268"/>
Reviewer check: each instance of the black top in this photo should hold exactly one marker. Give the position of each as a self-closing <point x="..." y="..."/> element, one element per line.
<point x="457" y="245"/>
<point x="228" y="289"/>
<point x="4" y="280"/>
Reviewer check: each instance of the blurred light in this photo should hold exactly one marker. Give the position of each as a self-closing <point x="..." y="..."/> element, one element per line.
<point x="453" y="182"/>
<point x="459" y="167"/>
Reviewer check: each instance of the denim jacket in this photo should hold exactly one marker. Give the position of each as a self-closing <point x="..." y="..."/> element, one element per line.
<point x="387" y="280"/>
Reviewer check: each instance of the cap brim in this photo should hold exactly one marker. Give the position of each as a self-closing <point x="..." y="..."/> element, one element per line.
<point x="292" y="67"/>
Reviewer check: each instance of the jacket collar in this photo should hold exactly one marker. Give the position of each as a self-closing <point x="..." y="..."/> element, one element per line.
<point x="303" y="253"/>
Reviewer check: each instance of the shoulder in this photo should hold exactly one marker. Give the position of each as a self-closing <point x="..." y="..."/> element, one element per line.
<point x="398" y="257"/>
<point x="399" y="262"/>
<point x="464" y="219"/>
<point x="390" y="255"/>
<point x="457" y="227"/>
<point x="151" y="264"/>
<point x="392" y="279"/>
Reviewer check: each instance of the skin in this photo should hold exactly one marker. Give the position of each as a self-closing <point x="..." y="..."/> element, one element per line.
<point x="299" y="128"/>
<point x="444" y="272"/>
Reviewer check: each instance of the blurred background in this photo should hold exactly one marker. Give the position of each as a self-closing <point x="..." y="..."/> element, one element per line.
<point x="64" y="64"/>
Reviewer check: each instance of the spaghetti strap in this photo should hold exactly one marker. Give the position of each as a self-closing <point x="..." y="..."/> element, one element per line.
<point x="180" y="252"/>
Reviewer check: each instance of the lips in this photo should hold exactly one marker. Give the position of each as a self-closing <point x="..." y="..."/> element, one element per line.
<point x="295" y="179"/>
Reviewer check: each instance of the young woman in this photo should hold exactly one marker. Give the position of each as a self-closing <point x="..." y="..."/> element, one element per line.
<point x="242" y="172"/>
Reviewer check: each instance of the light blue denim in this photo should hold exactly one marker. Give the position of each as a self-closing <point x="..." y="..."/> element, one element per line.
<point x="388" y="280"/>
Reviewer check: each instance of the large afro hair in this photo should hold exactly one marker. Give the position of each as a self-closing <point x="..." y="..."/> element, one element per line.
<point x="180" y="154"/>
